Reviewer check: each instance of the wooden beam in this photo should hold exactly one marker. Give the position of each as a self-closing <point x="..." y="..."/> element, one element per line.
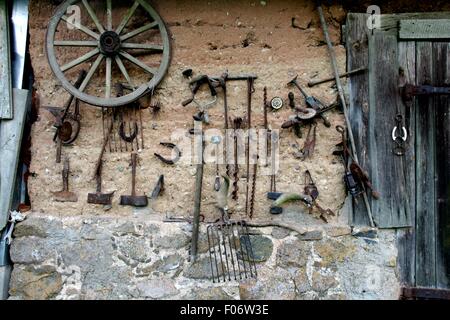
<point x="6" y="104"/>
<point x="10" y="143"/>
<point x="358" y="85"/>
<point x="424" y="29"/>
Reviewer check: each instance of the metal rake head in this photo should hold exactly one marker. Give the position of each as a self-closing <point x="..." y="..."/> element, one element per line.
<point x="230" y="252"/>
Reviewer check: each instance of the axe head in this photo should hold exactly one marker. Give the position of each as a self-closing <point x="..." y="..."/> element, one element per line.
<point x="134" y="201"/>
<point x="100" y="198"/>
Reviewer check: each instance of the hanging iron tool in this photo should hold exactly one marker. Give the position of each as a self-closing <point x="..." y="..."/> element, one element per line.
<point x="237" y="123"/>
<point x="133" y="200"/>
<point x="312" y="190"/>
<point x="159" y="188"/>
<point x="65" y="120"/>
<point x="343" y="102"/>
<point x="132" y="134"/>
<point x="310" y="143"/>
<point x="311" y="101"/>
<point x="195" y="85"/>
<point x="399" y="136"/>
<point x="175" y="149"/>
<point x="229" y="246"/>
<point x="65" y="195"/>
<point x="250" y="91"/>
<point x="343" y="75"/>
<point x="199" y="140"/>
<point x="216" y="141"/>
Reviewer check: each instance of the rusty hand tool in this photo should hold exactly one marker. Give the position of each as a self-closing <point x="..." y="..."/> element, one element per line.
<point x="99" y="197"/>
<point x="237" y="123"/>
<point x="159" y="188"/>
<point x="216" y="141"/>
<point x="343" y="152"/>
<point x="312" y="190"/>
<point x="250" y="90"/>
<point x="334" y="65"/>
<point x="65" y="195"/>
<point x="311" y="101"/>
<point x="362" y="177"/>
<point x="343" y="75"/>
<point x="174" y="148"/>
<point x="197" y="201"/>
<point x="133" y="200"/>
<point x="310" y="143"/>
<point x="195" y="85"/>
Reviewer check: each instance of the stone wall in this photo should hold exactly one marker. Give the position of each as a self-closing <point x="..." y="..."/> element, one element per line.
<point x="80" y="251"/>
<point x="142" y="258"/>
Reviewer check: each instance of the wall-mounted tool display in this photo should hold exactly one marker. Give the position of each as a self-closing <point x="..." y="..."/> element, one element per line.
<point x="67" y="123"/>
<point x="65" y="195"/>
<point x="133" y="200"/>
<point x="174" y="148"/>
<point x="112" y="44"/>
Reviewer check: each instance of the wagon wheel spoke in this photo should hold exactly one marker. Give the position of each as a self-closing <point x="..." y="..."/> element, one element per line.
<point x="93" y="16"/>
<point x="75" y="43"/>
<point x="139" y="31"/>
<point x="81" y="27"/>
<point x="80" y="60"/>
<point x="91" y="72"/>
<point x="154" y="47"/>
<point x="108" y="15"/>
<point x="124" y="71"/>
<point x="108" y="77"/>
<point x="137" y="62"/>
<point x="127" y="17"/>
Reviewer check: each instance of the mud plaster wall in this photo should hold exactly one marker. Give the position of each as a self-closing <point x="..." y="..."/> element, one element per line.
<point x="141" y="257"/>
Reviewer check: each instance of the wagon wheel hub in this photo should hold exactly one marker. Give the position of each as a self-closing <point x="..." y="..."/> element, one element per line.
<point x="109" y="43"/>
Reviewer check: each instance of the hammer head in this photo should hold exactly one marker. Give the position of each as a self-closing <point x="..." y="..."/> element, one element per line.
<point x="65" y="196"/>
<point x="134" y="201"/>
<point x="100" y="198"/>
<point x="293" y="81"/>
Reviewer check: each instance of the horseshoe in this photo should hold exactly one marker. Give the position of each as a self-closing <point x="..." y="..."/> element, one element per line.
<point x="124" y="136"/>
<point x="169" y="161"/>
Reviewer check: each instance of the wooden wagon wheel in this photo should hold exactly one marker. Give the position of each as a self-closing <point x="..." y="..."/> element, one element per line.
<point x="112" y="45"/>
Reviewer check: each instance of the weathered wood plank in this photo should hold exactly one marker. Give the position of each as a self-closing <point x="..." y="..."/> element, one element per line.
<point x="10" y="141"/>
<point x="441" y="63"/>
<point x="358" y="85"/>
<point x="387" y="170"/>
<point x="425" y="172"/>
<point x="6" y="104"/>
<point x="424" y="29"/>
<point x="406" y="237"/>
<point x="389" y="22"/>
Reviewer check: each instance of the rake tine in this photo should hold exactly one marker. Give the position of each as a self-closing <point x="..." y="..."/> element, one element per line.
<point x="208" y="232"/>
<point x="231" y="250"/>
<point x="225" y="250"/>
<point x="251" y="249"/>
<point x="246" y="256"/>
<point x="236" y="251"/>
<point x="242" y="251"/>
<point x="221" y="257"/>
